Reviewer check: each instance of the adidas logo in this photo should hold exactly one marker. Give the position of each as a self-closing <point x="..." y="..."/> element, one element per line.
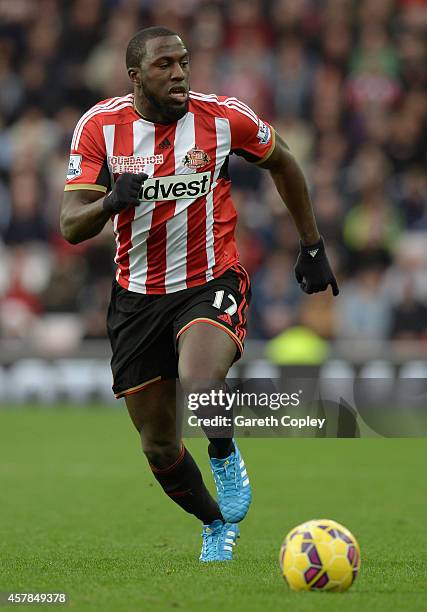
<point x="225" y="317"/>
<point x="313" y="252"/>
<point x="165" y="144"/>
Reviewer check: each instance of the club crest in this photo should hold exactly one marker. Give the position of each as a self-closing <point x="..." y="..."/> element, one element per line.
<point x="196" y="158"/>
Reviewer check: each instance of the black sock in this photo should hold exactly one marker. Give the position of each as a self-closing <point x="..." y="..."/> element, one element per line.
<point x="220" y="436"/>
<point x="220" y="448"/>
<point x="183" y="483"/>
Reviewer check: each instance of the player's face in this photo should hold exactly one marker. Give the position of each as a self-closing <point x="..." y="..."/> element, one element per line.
<point x="165" y="76"/>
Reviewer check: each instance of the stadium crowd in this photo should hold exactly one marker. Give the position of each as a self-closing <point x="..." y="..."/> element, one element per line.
<point x="343" y="81"/>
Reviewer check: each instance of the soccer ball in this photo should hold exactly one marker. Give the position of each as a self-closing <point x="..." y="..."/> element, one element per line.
<point x="320" y="555"/>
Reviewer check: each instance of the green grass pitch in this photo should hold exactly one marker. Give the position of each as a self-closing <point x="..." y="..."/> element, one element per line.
<point x="81" y="513"/>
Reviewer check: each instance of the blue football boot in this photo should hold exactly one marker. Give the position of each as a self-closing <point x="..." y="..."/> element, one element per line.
<point x="232" y="486"/>
<point x="218" y="541"/>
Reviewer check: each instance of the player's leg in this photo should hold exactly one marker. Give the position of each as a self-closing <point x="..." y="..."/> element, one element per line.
<point x="141" y="331"/>
<point x="201" y="368"/>
<point x="153" y="412"/>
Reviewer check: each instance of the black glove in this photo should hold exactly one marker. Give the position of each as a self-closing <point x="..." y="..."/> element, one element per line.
<point x="125" y="192"/>
<point x="313" y="271"/>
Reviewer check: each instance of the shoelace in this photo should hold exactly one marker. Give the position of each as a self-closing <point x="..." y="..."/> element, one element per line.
<point x="209" y="544"/>
<point x="229" y="485"/>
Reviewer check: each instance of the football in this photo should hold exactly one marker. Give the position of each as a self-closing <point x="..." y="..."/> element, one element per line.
<point x="320" y="555"/>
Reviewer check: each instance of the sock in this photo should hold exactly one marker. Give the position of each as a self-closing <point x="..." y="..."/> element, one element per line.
<point x="220" y="448"/>
<point x="183" y="483"/>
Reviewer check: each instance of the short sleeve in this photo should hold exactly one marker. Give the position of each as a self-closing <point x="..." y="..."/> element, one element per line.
<point x="87" y="167"/>
<point x="251" y="137"/>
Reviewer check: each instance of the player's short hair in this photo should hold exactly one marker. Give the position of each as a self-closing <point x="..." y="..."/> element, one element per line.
<point x="136" y="47"/>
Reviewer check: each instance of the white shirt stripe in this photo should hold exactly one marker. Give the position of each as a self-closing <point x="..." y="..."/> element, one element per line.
<point x="109" y="132"/>
<point x="210" y="250"/>
<point x="143" y="142"/>
<point x="223" y="145"/>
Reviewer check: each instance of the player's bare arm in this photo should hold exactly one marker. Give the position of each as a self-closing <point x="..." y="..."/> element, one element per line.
<point x="312" y="270"/>
<point x="84" y="214"/>
<point x="292" y="187"/>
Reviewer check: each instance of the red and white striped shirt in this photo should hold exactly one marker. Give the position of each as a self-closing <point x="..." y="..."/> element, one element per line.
<point x="182" y="233"/>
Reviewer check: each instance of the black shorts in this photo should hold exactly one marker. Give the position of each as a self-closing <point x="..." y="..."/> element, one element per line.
<point x="144" y="329"/>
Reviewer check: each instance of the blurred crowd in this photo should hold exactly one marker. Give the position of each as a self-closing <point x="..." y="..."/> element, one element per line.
<point x="343" y="81"/>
